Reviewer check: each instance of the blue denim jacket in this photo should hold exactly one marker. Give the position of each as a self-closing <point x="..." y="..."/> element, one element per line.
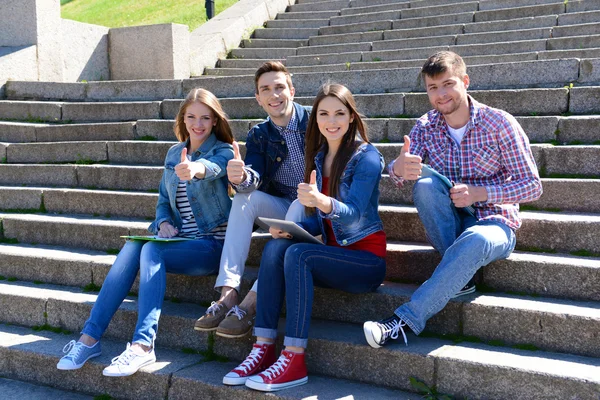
<point x="266" y="149"/>
<point x="354" y="215"/>
<point x="209" y="199"/>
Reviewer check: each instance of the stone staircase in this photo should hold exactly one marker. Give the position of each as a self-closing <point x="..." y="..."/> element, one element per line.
<point x="81" y="163"/>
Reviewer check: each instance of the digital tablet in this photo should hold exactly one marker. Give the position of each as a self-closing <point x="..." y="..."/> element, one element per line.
<point x="290" y="227"/>
<point x="426" y="170"/>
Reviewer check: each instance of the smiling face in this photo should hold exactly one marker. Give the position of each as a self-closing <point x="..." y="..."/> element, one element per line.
<point x="276" y="97"/>
<point x="448" y="94"/>
<point x="333" y="119"/>
<point x="199" y="121"/>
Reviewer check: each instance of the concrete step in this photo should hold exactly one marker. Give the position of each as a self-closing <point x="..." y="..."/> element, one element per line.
<point x="308" y="14"/>
<point x="375" y="8"/>
<point x="334" y="5"/>
<point x="285" y="33"/>
<point x="253" y="64"/>
<point x="547" y="73"/>
<point x="266" y="54"/>
<point x="295" y="23"/>
<point x="576" y="100"/>
<point x="566" y="231"/>
<point x="273" y="43"/>
<point x="176" y="375"/>
<point x="534" y="274"/>
<point x="98" y="176"/>
<point x="563" y="231"/>
<point x="18" y="390"/>
<point x="537" y="322"/>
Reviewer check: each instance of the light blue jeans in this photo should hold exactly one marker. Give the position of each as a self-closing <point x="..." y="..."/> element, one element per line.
<point x="464" y="243"/>
<point x="153" y="260"/>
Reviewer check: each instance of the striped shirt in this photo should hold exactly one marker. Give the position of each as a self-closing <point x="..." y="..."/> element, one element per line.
<point x="189" y="228"/>
<point x="494" y="153"/>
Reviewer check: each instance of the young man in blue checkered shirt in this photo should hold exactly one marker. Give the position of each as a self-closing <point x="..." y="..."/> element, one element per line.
<point x="266" y="183"/>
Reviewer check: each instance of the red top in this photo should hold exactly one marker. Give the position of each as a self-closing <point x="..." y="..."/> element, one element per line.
<point x="374" y="243"/>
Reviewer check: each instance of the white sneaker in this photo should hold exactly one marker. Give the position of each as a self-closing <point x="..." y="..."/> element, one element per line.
<point x="129" y="362"/>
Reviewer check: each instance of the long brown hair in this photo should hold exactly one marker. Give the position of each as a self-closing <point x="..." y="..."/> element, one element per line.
<point x="315" y="141"/>
<point x="222" y="130"/>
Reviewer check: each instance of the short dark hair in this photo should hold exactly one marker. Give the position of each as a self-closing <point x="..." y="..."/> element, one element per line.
<point x="443" y="61"/>
<point x="272" y="66"/>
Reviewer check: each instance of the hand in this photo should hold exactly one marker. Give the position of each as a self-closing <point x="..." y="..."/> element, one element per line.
<point x="166" y="230"/>
<point x="279" y="234"/>
<point x="185" y="170"/>
<point x="235" y="167"/>
<point x="407" y="165"/>
<point x="308" y="193"/>
<point x="465" y="195"/>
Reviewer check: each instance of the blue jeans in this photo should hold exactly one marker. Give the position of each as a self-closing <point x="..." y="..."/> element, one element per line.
<point x="464" y="243"/>
<point x="290" y="269"/>
<point x="153" y="260"/>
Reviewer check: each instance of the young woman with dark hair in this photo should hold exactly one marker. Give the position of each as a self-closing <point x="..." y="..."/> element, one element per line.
<point x="341" y="196"/>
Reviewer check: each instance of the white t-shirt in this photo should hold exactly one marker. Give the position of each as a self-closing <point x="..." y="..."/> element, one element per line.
<point x="457" y="134"/>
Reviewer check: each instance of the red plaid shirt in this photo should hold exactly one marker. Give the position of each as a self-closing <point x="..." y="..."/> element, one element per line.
<point x="494" y="153"/>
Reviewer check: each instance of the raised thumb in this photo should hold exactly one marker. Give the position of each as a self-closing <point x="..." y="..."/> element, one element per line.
<point x="184" y="154"/>
<point x="236" y="151"/>
<point x="406" y="147"/>
<point x="313" y="177"/>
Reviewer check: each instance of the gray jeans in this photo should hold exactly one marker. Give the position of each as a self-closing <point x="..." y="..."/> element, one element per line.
<point x="245" y="209"/>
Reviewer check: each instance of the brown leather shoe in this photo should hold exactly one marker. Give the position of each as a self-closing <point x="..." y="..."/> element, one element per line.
<point x="238" y="323"/>
<point x="213" y="317"/>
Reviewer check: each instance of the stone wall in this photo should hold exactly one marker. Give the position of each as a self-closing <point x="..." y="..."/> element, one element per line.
<point x="84" y="52"/>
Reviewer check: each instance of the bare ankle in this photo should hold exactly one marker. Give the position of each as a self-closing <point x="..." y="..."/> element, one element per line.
<point x="87" y="340"/>
<point x="229" y="296"/>
<point x="249" y="302"/>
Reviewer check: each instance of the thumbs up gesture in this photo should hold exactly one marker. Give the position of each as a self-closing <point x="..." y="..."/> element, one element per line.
<point x="235" y="166"/>
<point x="308" y="193"/>
<point x="407" y="165"/>
<point x="185" y="169"/>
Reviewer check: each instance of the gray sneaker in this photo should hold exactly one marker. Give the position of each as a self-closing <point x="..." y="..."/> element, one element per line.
<point x="77" y="354"/>
<point x="213" y="317"/>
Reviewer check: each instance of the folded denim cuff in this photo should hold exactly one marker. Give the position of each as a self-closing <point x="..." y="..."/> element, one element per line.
<point x="410" y="324"/>
<point x="265" y="332"/>
<point x="295" y="342"/>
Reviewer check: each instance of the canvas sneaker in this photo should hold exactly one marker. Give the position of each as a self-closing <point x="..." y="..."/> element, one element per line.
<point x="380" y="332"/>
<point x="259" y="359"/>
<point x="467" y="289"/>
<point x="213" y="317"/>
<point x="237" y="323"/>
<point x="129" y="362"/>
<point x="77" y="354"/>
<point x="287" y="372"/>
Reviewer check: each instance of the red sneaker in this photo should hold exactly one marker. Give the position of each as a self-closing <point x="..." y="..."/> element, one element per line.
<point x="288" y="371"/>
<point x="259" y="359"/>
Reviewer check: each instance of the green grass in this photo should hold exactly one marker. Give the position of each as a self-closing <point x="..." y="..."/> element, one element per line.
<point x="91" y="287"/>
<point x="584" y="253"/>
<point x="119" y="13"/>
<point x="54" y="329"/>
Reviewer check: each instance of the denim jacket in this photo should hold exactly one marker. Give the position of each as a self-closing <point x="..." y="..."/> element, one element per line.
<point x="266" y="150"/>
<point x="209" y="199"/>
<point x="354" y="215"/>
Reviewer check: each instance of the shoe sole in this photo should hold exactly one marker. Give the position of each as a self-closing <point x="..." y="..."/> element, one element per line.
<point x="466" y="292"/>
<point x="196" y="328"/>
<point x="234" y="381"/>
<point x="128" y="374"/>
<point x="272" y="387"/>
<point x="232" y="336"/>
<point x="80" y="365"/>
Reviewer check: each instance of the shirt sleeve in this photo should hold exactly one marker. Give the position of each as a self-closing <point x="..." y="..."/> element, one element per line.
<point x="524" y="184"/>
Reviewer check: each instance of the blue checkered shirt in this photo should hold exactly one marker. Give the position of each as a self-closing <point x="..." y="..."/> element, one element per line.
<point x="291" y="170"/>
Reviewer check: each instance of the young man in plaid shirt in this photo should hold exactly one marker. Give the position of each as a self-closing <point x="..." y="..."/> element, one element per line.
<point x="266" y="182"/>
<point x="486" y="156"/>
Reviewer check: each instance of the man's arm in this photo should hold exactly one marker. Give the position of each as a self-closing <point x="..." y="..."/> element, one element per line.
<point x="516" y="157"/>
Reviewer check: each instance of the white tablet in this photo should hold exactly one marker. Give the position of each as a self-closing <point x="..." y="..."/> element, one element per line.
<point x="288" y="226"/>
